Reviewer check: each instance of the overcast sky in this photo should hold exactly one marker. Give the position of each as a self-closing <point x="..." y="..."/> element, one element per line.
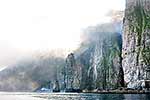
<point x="28" y="25"/>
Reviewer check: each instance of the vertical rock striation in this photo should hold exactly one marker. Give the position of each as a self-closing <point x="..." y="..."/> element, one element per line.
<point x="100" y="58"/>
<point x="136" y="42"/>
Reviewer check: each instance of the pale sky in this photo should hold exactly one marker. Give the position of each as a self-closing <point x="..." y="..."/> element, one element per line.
<point x="29" y="25"/>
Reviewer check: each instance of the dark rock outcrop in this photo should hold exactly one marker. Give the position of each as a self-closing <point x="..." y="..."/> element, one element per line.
<point x="56" y="87"/>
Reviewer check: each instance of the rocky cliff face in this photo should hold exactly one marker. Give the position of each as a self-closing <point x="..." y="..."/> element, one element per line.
<point x="100" y="58"/>
<point x="136" y="42"/>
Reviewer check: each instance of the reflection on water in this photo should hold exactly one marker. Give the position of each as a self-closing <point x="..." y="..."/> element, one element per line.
<point x="70" y="96"/>
<point x="82" y="96"/>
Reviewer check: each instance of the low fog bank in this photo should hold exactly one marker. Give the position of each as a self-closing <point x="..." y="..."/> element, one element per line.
<point x="30" y="73"/>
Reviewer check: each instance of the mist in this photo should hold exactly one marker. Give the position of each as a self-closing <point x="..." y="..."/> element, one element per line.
<point x="34" y="26"/>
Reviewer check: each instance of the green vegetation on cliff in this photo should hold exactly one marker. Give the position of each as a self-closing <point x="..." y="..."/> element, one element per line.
<point x="140" y="26"/>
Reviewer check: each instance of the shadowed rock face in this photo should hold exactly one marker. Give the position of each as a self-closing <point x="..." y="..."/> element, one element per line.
<point x="70" y="67"/>
<point x="100" y="58"/>
<point x="136" y="42"/>
<point x="72" y="72"/>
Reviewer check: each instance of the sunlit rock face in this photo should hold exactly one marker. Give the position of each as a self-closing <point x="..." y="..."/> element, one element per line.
<point x="136" y="42"/>
<point x="100" y="58"/>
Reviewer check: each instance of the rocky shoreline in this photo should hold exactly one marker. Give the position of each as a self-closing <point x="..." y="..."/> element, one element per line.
<point x="114" y="91"/>
<point x="119" y="92"/>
